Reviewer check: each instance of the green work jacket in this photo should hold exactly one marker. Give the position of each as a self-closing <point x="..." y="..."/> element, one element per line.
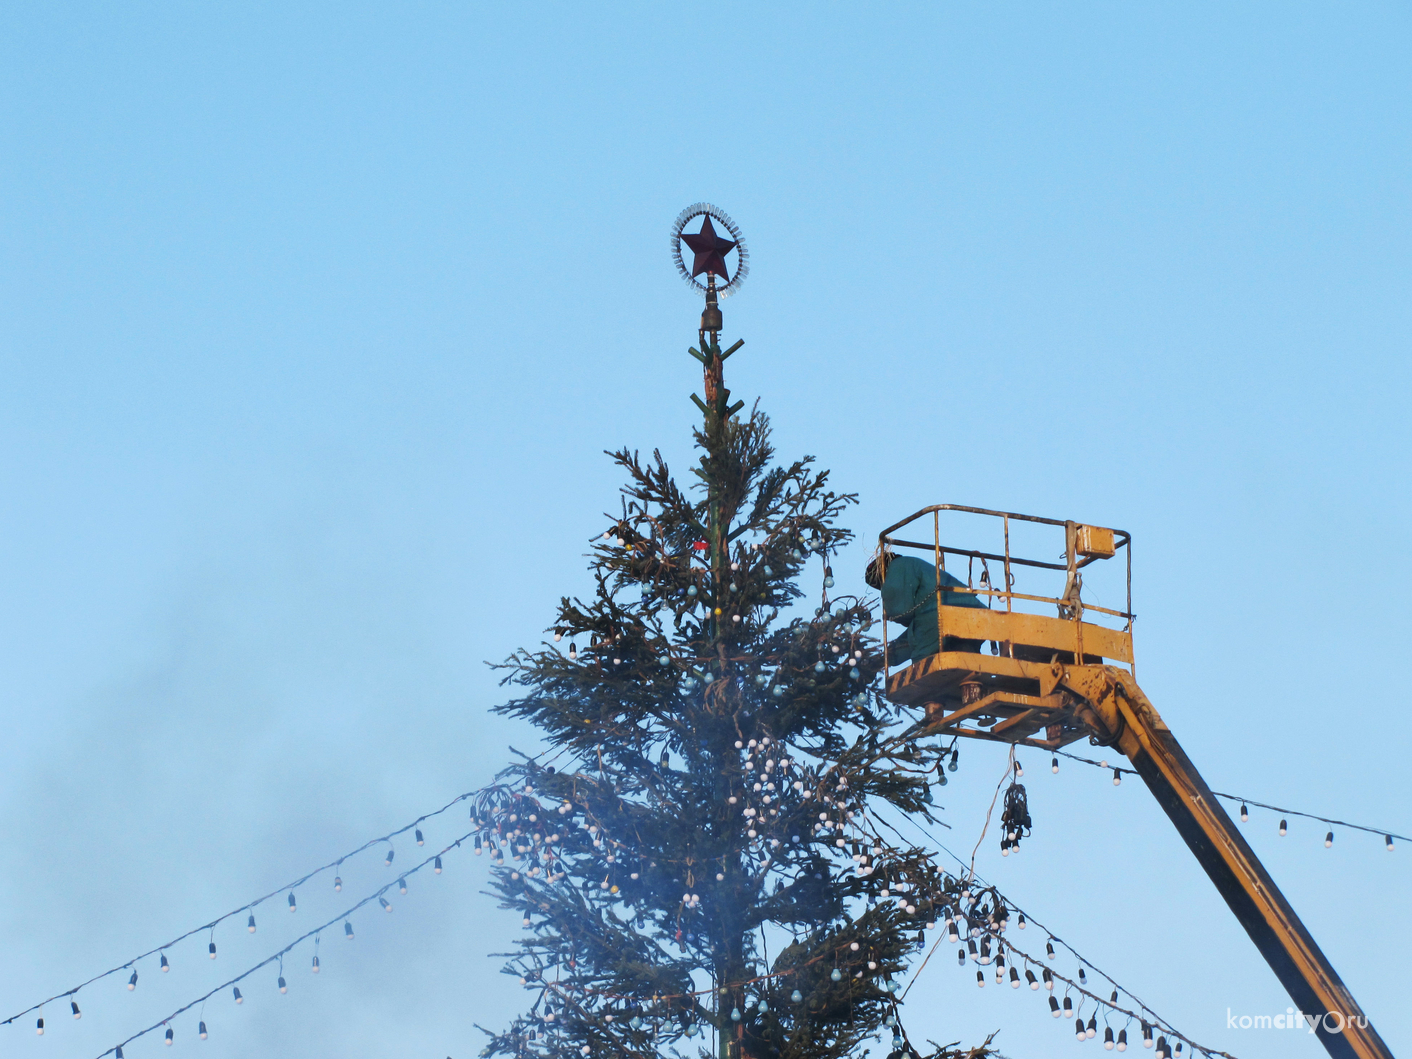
<point x="909" y="598"/>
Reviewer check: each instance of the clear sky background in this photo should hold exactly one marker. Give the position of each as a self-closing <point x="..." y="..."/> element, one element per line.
<point x="315" y="321"/>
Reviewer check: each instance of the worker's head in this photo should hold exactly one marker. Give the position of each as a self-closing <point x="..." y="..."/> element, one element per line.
<point x="876" y="572"/>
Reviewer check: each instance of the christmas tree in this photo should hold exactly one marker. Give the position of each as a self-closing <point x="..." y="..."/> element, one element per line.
<point x="698" y="859"/>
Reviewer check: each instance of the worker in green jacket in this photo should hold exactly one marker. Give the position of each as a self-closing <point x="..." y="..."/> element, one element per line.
<point x="909" y="590"/>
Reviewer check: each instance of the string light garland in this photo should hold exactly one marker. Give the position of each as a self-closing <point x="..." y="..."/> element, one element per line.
<point x="250" y="906"/>
<point x="825" y="780"/>
<point x="1385" y="834"/>
<point x="880" y="849"/>
<point x="278" y="957"/>
<point x="1147" y="1015"/>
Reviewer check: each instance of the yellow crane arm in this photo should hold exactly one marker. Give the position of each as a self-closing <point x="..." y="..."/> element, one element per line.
<point x="1120" y="715"/>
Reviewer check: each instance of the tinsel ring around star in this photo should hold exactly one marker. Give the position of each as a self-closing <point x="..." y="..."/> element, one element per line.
<point x="708" y="249"/>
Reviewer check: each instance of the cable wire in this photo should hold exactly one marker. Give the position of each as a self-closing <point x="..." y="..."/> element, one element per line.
<point x="1251" y="801"/>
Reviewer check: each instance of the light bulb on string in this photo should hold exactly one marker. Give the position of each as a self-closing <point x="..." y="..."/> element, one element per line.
<point x="283" y="985"/>
<point x="337" y="884"/>
<point x="1092" y="1030"/>
<point x="420" y="840"/>
<point x="1054" y="1007"/>
<point x="250" y="925"/>
<point x="1108" y="1041"/>
<point x="1015" y="978"/>
<point x="1068" y="1007"/>
<point x="1080" y="1033"/>
<point x="1389" y="843"/>
<point x="961" y="957"/>
<point x="211" y="949"/>
<point x="1049" y="948"/>
<point x="1029" y="977"/>
<point x="169" y="1036"/>
<point x="1161" y="1052"/>
<point x="390" y="853"/>
<point x="436" y="867"/>
<point x="201" y="1029"/>
<point x="980" y="979"/>
<point x="132" y="982"/>
<point x="402" y="886"/>
<point x="236" y="993"/>
<point x="1122" y="1044"/>
<point x="386" y="904"/>
<point x="1328" y="840"/>
<point x="1284" y="828"/>
<point x="1054" y="765"/>
<point x="1117" y="777"/>
<point x="348" y="930"/>
<point x="164" y="965"/>
<point x="73" y="1005"/>
<point x="1244" y="813"/>
<point x="1048" y="980"/>
<point x="292" y="905"/>
<point x="39" y="1028"/>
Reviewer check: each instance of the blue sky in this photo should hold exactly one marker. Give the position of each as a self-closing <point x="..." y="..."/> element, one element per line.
<point x="317" y="319"/>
